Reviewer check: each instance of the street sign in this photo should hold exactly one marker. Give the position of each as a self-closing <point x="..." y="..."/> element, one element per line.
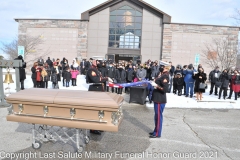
<point x="197" y="59"/>
<point x="21" y="51"/>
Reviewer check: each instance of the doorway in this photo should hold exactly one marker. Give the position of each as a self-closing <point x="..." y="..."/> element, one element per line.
<point x="120" y="58"/>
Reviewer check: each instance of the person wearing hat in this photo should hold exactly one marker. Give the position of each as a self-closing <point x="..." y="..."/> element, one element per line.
<point x="22" y="73"/>
<point x="213" y="78"/>
<point x="94" y="76"/>
<point x="159" y="97"/>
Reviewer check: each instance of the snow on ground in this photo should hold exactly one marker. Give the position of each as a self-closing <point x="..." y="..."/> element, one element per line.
<point x="174" y="101"/>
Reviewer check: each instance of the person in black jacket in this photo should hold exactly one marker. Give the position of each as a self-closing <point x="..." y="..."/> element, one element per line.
<point x="64" y="65"/>
<point x="83" y="65"/>
<point x="120" y="77"/>
<point x="49" y="62"/>
<point x="34" y="74"/>
<point x="67" y="76"/>
<point x="199" y="77"/>
<point x="130" y="75"/>
<point x="55" y="75"/>
<point x="22" y="73"/>
<point x="111" y="71"/>
<point x="159" y="98"/>
<point x="171" y="73"/>
<point x="180" y="83"/>
<point x="213" y="77"/>
<point x="103" y="71"/>
<point x="224" y="78"/>
<point x="94" y="76"/>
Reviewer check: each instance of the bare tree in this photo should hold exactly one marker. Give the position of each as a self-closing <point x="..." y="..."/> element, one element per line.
<point x="31" y="47"/>
<point x="236" y="16"/>
<point x="1" y="57"/>
<point x="221" y="52"/>
<point x="11" y="49"/>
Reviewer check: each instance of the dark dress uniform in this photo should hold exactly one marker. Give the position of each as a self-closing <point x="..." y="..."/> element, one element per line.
<point x="159" y="98"/>
<point x="94" y="76"/>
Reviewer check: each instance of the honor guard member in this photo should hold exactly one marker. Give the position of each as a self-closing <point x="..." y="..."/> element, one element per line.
<point x="159" y="98"/>
<point x="94" y="76"/>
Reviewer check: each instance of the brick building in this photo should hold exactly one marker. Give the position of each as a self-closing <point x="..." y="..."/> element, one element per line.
<point x="123" y="30"/>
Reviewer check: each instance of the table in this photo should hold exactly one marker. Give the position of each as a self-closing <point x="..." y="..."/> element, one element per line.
<point x="138" y="94"/>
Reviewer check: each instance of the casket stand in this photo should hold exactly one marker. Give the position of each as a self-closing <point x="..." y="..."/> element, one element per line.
<point x="68" y="109"/>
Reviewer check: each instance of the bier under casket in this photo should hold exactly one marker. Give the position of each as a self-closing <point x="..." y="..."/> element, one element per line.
<point x="67" y="108"/>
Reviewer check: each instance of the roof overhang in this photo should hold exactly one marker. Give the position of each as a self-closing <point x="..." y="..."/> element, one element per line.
<point x="140" y="3"/>
<point x="17" y="19"/>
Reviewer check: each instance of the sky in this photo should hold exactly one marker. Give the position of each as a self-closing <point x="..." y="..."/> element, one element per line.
<point x="215" y="12"/>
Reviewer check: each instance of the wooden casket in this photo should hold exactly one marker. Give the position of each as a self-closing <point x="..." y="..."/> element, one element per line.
<point x="67" y="108"/>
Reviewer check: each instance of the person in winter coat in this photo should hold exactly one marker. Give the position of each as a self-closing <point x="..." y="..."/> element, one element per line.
<point x="141" y="73"/>
<point x="48" y="70"/>
<point x="55" y="75"/>
<point x="199" y="77"/>
<point x="65" y="65"/>
<point x="74" y="64"/>
<point x="120" y="77"/>
<point x="189" y="81"/>
<point x="224" y="78"/>
<point x="111" y="71"/>
<point x="44" y="78"/>
<point x="130" y="76"/>
<point x="178" y="83"/>
<point x="67" y="77"/>
<point x="34" y="74"/>
<point x="39" y="77"/>
<point x="213" y="77"/>
<point x="49" y="62"/>
<point x="154" y="70"/>
<point x="74" y="74"/>
<point x="178" y="69"/>
<point x="148" y="71"/>
<point x="183" y="75"/>
<point x="171" y="74"/>
<point x="22" y="73"/>
<point x="234" y="84"/>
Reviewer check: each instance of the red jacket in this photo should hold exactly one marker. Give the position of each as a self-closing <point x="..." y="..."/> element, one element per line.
<point x="233" y="86"/>
<point x="39" y="76"/>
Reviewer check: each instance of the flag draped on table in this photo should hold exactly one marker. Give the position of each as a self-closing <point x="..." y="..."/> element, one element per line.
<point x="123" y="85"/>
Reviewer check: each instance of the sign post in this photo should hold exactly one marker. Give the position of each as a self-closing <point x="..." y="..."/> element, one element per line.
<point x="197" y="59"/>
<point x="21" y="51"/>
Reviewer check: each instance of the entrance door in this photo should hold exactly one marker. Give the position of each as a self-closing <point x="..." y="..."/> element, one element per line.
<point x="120" y="58"/>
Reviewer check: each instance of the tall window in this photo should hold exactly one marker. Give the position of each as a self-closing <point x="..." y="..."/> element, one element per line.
<point x="125" y="28"/>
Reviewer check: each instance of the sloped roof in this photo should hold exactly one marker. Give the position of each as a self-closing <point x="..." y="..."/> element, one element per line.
<point x="85" y="15"/>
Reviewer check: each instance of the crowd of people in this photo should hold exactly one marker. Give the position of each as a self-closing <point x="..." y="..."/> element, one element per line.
<point x="163" y="77"/>
<point x="183" y="80"/>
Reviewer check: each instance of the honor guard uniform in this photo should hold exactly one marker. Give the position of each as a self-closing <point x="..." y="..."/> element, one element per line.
<point x="94" y="76"/>
<point x="159" y="98"/>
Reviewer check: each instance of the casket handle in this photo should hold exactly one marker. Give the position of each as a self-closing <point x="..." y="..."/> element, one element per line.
<point x="72" y="113"/>
<point x="101" y="115"/>
<point x="20" y="108"/>
<point x="45" y="110"/>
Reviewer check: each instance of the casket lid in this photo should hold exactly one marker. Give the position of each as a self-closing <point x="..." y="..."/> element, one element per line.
<point x="67" y="97"/>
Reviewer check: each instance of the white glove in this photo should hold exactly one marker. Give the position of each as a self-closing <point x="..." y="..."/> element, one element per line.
<point x="110" y="79"/>
<point x="154" y="84"/>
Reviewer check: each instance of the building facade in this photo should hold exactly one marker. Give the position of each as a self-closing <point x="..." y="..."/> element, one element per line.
<point x="122" y="30"/>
